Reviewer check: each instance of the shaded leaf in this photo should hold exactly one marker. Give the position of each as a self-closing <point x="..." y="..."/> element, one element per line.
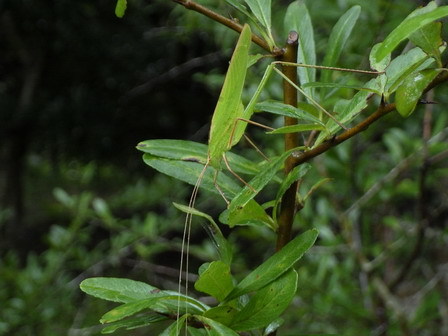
<point x="133" y="323"/>
<point x="184" y="150"/>
<point x="222" y="314"/>
<point x="120" y="8"/>
<point x="304" y="111"/>
<point x="258" y="182"/>
<point x="338" y="37"/>
<point x="223" y="246"/>
<point x="297" y="18"/>
<point x="252" y="214"/>
<point x="215" y="328"/>
<point x="189" y="172"/>
<point x="267" y="304"/>
<point x="215" y="280"/>
<point x="298" y="128"/>
<point x="276" y="265"/>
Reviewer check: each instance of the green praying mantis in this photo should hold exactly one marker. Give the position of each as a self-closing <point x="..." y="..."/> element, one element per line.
<point x="228" y="126"/>
<point x="231" y="118"/>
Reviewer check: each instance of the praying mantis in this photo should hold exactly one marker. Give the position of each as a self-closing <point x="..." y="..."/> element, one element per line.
<point x="228" y="125"/>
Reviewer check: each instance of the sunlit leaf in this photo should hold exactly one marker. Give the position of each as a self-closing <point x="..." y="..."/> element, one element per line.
<point x="406" y="28"/>
<point x="409" y="93"/>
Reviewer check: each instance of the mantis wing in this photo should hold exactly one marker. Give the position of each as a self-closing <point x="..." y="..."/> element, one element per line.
<point x="229" y="107"/>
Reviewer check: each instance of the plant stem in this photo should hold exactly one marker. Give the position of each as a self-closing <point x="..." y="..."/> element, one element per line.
<point x="232" y="24"/>
<point x="288" y="204"/>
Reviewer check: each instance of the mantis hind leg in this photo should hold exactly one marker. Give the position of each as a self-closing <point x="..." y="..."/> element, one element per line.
<point x="236" y="175"/>
<point x="215" y="182"/>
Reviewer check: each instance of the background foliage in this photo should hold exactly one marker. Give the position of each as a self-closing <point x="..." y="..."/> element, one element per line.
<point x="80" y="88"/>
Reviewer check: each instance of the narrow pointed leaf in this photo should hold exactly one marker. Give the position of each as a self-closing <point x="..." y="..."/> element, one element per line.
<point x="133" y="323"/>
<point x="175" y="328"/>
<point x="276" y="265"/>
<point x="161" y="303"/>
<point x="302" y="112"/>
<point x="297" y="18"/>
<point x="338" y="37"/>
<point x="258" y="182"/>
<point x="294" y="175"/>
<point x="214" y="328"/>
<point x="267" y="304"/>
<point x="189" y="172"/>
<point x="262" y="11"/>
<point x="406" y="28"/>
<point x="297" y="128"/>
<point x="223" y="246"/>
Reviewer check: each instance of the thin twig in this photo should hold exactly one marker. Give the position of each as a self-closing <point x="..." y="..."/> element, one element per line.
<point x="232" y="24"/>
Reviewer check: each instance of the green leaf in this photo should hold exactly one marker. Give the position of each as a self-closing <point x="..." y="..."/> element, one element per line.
<point x="378" y="65"/>
<point x="161" y="303"/>
<point x="223" y="314"/>
<point x="262" y="11"/>
<point x="267" y="304"/>
<point x="223" y="246"/>
<point x="304" y="111"/>
<point x="408" y="26"/>
<point x="341" y="86"/>
<point x="189" y="172"/>
<point x="298" y="18"/>
<point x="429" y="38"/>
<point x="120" y="8"/>
<point x="273" y="326"/>
<point x="133" y="323"/>
<point x="346" y="111"/>
<point x="184" y="150"/>
<point x="229" y="107"/>
<point x="401" y="67"/>
<point x="251" y="214"/>
<point x="215" y="280"/>
<point x="258" y="182"/>
<point x="297" y="173"/>
<point x="297" y="128"/>
<point x="276" y="265"/>
<point x="338" y="37"/>
<point x="117" y="289"/>
<point x="175" y="328"/>
<point x="409" y="93"/>
<point x="215" y="328"/>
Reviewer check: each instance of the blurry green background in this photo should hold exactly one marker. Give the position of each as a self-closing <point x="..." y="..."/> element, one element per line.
<point x="79" y="88"/>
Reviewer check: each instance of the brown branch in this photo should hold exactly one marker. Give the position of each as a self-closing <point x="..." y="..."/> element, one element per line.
<point x="362" y="126"/>
<point x="288" y="203"/>
<point x="232" y="24"/>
